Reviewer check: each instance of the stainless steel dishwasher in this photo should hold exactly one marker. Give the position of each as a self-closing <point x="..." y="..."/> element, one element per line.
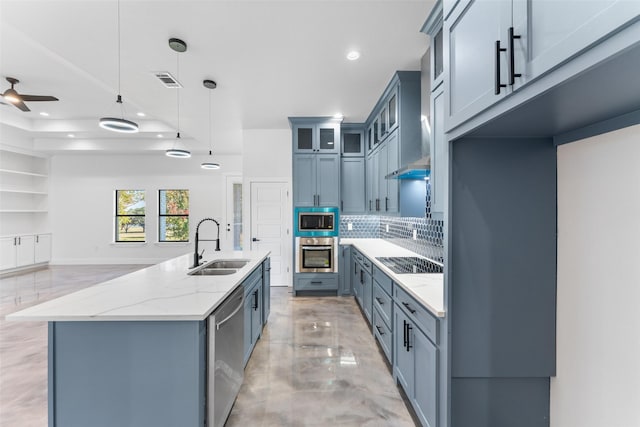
<point x="225" y="368"/>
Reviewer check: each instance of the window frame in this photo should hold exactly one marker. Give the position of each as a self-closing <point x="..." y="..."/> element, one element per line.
<point x="161" y="215"/>
<point x="116" y="233"/>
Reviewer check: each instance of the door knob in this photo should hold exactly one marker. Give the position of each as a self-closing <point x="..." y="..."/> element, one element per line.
<point x="255" y="240"/>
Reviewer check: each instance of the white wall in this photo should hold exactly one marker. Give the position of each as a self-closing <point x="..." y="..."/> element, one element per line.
<point x="598" y="325"/>
<point x="82" y="203"/>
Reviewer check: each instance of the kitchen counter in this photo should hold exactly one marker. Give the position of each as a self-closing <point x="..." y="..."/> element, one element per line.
<point x="161" y="292"/>
<point x="427" y="288"/>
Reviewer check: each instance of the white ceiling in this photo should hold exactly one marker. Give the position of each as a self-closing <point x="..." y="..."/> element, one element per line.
<point x="271" y="60"/>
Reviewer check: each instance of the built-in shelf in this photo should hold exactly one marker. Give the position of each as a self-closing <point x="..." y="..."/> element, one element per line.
<point x="23" y="211"/>
<point x="15" y="172"/>
<point x="37" y="193"/>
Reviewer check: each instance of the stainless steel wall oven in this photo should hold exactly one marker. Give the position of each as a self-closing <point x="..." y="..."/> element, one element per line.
<point x="316" y="254"/>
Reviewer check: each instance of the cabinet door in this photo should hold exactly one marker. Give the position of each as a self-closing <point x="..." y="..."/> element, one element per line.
<point x="256" y="314"/>
<point x="367" y="294"/>
<point x="561" y="29"/>
<point x="474" y="61"/>
<point x="370" y="178"/>
<point x="247" y="336"/>
<point x="439" y="155"/>
<point x="328" y="137"/>
<point x="352" y="143"/>
<point x="392" y="200"/>
<point x="382" y="196"/>
<point x="328" y="180"/>
<point x="392" y="106"/>
<point x="345" y="270"/>
<point x="403" y="358"/>
<point x="304" y="179"/>
<point x="266" y="290"/>
<point x="8" y="252"/>
<point x="425" y="398"/>
<point x="353" y="186"/>
<point x="303" y="138"/>
<point x="42" y="248"/>
<point x="25" y="250"/>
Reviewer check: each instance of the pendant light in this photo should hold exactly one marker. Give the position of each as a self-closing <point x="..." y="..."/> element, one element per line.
<point x="179" y="46"/>
<point x="210" y="84"/>
<point x="116" y="124"/>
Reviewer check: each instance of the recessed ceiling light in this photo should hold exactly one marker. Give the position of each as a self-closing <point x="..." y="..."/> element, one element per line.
<point x="160" y="135"/>
<point x="353" y="55"/>
<point x="70" y="135"/>
<point x="141" y="114"/>
<point x="43" y="113"/>
<point x="338" y="116"/>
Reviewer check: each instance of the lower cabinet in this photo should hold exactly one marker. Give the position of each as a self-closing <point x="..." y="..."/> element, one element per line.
<point x="24" y="250"/>
<point x="253" y="304"/>
<point x="315" y="282"/>
<point x="415" y="366"/>
<point x="344" y="268"/>
<point x="363" y="283"/>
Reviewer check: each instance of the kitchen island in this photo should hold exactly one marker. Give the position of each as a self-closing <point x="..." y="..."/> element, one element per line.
<point x="134" y="351"/>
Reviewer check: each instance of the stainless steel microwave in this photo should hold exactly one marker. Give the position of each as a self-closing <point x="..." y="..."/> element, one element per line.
<point x="314" y="222"/>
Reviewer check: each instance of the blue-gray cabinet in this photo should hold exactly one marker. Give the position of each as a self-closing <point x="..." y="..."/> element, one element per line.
<point x="316" y="282"/>
<point x="316" y="180"/>
<point x="352" y="194"/>
<point x="352" y="140"/>
<point x="344" y="268"/>
<point x="253" y="308"/>
<point x="496" y="47"/>
<point x="415" y="364"/>
<point x="363" y="283"/>
<point x="266" y="290"/>
<point x="356" y="286"/>
<point x="383" y="312"/>
<point x="439" y="155"/>
<point x="315" y="135"/>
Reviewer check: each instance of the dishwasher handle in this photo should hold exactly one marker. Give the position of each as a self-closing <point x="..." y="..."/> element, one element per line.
<point x="226" y="319"/>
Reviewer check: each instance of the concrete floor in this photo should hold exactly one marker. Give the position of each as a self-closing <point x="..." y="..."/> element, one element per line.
<point x="316" y="363"/>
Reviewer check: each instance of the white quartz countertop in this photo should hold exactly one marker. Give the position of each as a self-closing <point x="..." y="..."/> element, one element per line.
<point x="161" y="292"/>
<point x="426" y="288"/>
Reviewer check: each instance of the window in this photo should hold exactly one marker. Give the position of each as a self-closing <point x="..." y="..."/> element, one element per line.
<point x="174" y="216"/>
<point x="130" y="211"/>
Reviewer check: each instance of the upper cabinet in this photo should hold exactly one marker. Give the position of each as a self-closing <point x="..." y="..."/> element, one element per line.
<point x="433" y="28"/>
<point x="316" y="135"/>
<point x="316" y="161"/>
<point x="352" y="139"/>
<point x="496" y="47"/>
<point x="352" y="169"/>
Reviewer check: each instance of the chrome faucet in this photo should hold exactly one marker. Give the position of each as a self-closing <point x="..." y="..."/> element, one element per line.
<point x="196" y="256"/>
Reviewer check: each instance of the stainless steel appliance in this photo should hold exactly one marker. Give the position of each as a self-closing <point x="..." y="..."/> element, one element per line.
<point x="315" y="222"/>
<point x="226" y="370"/>
<point x="316" y="254"/>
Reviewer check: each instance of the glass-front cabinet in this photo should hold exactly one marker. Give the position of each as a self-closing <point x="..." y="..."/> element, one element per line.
<point x="352" y="142"/>
<point x="392" y="106"/>
<point x="316" y="137"/>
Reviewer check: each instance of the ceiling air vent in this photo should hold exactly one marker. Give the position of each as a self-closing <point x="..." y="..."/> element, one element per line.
<point x="167" y="79"/>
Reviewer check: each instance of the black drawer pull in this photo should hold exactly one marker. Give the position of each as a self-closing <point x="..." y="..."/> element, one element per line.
<point x="409" y="346"/>
<point x="316" y="282"/>
<point x="409" y="308"/>
<point x="380" y="331"/>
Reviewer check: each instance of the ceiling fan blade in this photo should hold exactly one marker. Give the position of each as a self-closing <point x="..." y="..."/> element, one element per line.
<point x="31" y="98"/>
<point x="21" y="105"/>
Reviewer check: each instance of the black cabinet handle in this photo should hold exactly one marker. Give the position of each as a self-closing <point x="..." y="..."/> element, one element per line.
<point x="19" y="240"/>
<point x="341" y="205"/>
<point x="379" y="301"/>
<point x="318" y="200"/>
<point x="255" y="300"/>
<point x="15" y="241"/>
<point x="409" y="308"/>
<point x="380" y="331"/>
<point x="316" y="282"/>
<point x="386" y="204"/>
<point x="255" y="240"/>
<point x="512" y="59"/>
<point x="409" y="328"/>
<point x="369" y="204"/>
<point x="498" y="83"/>
<point x="362" y="277"/>
<point x="404" y="327"/>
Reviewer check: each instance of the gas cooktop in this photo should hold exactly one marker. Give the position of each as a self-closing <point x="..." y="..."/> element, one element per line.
<point x="405" y="265"/>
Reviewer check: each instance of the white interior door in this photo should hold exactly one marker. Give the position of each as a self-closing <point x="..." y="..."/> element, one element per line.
<point x="270" y="227"/>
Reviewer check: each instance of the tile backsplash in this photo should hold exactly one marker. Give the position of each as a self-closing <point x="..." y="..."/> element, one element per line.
<point x="429" y="233"/>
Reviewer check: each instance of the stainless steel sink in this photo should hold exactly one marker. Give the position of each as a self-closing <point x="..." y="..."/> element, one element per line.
<point x="213" y="272"/>
<point x="228" y="263"/>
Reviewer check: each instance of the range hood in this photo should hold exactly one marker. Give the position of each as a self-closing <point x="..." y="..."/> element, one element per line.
<point x="420" y="169"/>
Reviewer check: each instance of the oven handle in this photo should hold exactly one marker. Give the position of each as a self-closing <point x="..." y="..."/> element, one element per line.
<point x="316" y="248"/>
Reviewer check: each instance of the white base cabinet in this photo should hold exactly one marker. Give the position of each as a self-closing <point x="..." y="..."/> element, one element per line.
<point x="24" y="250"/>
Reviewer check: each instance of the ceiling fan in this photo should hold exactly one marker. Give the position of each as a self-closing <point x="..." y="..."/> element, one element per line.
<point x="14" y="98"/>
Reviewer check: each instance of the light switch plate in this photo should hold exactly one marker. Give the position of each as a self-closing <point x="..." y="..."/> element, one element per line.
<point x="415" y="234"/>
<point x="349" y="226"/>
<point x="387" y="227"/>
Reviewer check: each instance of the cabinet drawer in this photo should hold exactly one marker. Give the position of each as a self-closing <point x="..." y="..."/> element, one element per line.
<point x="383" y="280"/>
<point x="382" y="332"/>
<point x="317" y="284"/>
<point x="424" y="320"/>
<point x="383" y="302"/>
